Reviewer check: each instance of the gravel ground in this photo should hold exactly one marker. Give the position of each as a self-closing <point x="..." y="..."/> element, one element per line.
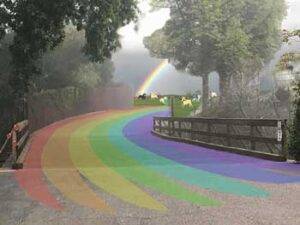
<point x="281" y="207"/>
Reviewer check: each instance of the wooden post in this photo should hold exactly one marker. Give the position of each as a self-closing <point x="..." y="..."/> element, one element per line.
<point x="228" y="138"/>
<point x="283" y="141"/>
<point x="179" y="126"/>
<point x="172" y="106"/>
<point x="169" y="126"/>
<point x="14" y="143"/>
<point x="159" y="125"/>
<point x="252" y="142"/>
<point x="193" y="136"/>
<point x="173" y="127"/>
<point x="209" y="131"/>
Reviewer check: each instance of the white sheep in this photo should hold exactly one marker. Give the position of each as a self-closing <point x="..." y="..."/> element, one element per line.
<point x="153" y="96"/>
<point x="164" y="100"/>
<point x="213" y="94"/>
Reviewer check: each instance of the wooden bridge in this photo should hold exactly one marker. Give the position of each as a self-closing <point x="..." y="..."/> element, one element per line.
<point x="107" y="167"/>
<point x="265" y="138"/>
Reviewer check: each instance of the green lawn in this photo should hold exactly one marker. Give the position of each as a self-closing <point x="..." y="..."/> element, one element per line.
<point x="147" y="102"/>
<point x="179" y="110"/>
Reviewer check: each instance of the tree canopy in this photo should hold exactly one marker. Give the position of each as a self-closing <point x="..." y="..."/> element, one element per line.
<point x="38" y="26"/>
<point x="218" y="35"/>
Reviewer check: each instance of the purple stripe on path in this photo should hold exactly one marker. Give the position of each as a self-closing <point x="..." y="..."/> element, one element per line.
<point x="223" y="163"/>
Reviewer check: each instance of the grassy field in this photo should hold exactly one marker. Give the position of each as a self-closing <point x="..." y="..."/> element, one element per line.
<point x="179" y="110"/>
<point x="147" y="102"/>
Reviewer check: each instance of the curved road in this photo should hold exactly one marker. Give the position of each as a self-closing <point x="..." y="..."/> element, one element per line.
<point x="107" y="168"/>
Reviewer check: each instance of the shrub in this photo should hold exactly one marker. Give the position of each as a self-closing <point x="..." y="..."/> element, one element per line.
<point x="294" y="128"/>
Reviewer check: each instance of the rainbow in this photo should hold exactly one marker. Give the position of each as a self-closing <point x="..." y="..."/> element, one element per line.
<point x="151" y="77"/>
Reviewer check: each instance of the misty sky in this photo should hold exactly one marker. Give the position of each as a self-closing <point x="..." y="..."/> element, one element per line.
<point x="133" y="62"/>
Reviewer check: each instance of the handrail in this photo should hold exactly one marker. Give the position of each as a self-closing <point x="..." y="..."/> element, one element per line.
<point x="17" y="142"/>
<point x="5" y="143"/>
<point x="233" y="121"/>
<point x="191" y="128"/>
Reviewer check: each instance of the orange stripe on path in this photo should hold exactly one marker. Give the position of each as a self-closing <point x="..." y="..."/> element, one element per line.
<point x="60" y="170"/>
<point x="31" y="178"/>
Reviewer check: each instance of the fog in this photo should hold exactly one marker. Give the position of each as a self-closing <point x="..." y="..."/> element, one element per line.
<point x="133" y="62"/>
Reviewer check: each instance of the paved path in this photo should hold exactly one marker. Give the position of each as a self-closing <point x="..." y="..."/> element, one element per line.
<point x="107" y="168"/>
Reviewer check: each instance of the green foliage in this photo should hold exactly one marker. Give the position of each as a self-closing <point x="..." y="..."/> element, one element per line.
<point x="286" y="36"/>
<point x="294" y="120"/>
<point x="67" y="66"/>
<point x="286" y="59"/>
<point x="63" y="99"/>
<point x="66" y="74"/>
<point x="218" y="35"/>
<point x="7" y="116"/>
<point x="4" y="19"/>
<point x="294" y="128"/>
<point x="88" y="76"/>
<point x="38" y="26"/>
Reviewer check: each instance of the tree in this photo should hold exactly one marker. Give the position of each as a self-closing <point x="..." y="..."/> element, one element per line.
<point x="294" y="124"/>
<point x="219" y="35"/>
<point x="38" y="26"/>
<point x="61" y="67"/>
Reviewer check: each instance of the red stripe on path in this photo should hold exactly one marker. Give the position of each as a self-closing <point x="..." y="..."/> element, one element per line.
<point x="31" y="178"/>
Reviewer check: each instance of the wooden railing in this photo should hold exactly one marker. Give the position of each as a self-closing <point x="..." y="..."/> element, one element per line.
<point x="256" y="136"/>
<point x="15" y="142"/>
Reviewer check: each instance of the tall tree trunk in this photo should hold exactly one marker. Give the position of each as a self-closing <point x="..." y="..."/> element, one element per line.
<point x="205" y="92"/>
<point x="224" y="90"/>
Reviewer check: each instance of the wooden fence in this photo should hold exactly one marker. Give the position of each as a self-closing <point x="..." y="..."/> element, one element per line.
<point x="263" y="138"/>
<point x="15" y="142"/>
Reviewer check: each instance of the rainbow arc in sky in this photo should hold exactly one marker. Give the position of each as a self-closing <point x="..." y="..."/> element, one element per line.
<point x="154" y="75"/>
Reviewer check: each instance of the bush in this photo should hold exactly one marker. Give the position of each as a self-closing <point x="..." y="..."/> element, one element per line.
<point x="294" y="128"/>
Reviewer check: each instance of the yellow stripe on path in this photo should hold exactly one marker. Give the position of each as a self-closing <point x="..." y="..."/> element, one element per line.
<point x="60" y="170"/>
<point x="102" y="176"/>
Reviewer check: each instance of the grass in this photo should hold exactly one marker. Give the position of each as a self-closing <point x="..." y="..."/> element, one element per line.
<point x="179" y="109"/>
<point x="147" y="102"/>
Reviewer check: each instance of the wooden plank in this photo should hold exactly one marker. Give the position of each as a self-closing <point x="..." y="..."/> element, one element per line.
<point x="192" y="131"/>
<point x="159" y="125"/>
<point x="241" y="151"/>
<point x="209" y="131"/>
<point x="252" y="142"/>
<point x="4" y="145"/>
<point x="23" y="139"/>
<point x="179" y="129"/>
<point x="14" y="145"/>
<point x="241" y="122"/>
<point x="226" y="135"/>
<point x="228" y="132"/>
